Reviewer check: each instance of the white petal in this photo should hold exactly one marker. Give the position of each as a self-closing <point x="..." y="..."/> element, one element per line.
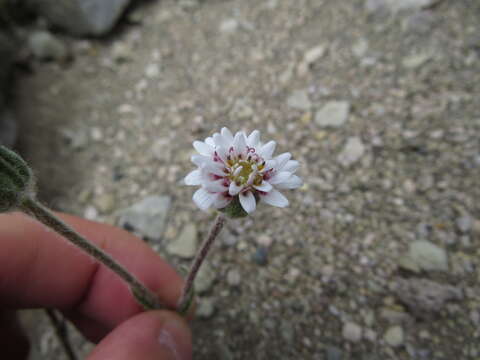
<point x="221" y="141"/>
<point x="194" y="178"/>
<point x="280" y="177"/>
<point x="282" y="159"/>
<point x="248" y="202"/>
<point x="270" y="164"/>
<point x="215" y="186"/>
<point x="221" y="201"/>
<point x="234" y="189"/>
<point x="214" y="168"/>
<point x="264" y="186"/>
<point x="202" y="148"/>
<point x="253" y="139"/>
<point x="275" y="198"/>
<point x="200" y="160"/>
<point x="227" y="135"/>
<point x="291" y="166"/>
<point x="222" y="153"/>
<point x="209" y="141"/>
<point x="203" y="198"/>
<point x="292" y="182"/>
<point x="266" y="151"/>
<point x="239" y="143"/>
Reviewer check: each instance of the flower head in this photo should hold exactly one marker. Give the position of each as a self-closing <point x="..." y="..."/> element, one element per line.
<point x="240" y="169"/>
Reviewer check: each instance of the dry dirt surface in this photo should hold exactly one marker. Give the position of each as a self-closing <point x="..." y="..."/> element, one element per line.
<point x="378" y="254"/>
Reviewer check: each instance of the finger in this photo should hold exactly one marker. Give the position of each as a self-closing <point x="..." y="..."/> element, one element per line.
<point x="38" y="268"/>
<point x="13" y="341"/>
<point x="154" y="335"/>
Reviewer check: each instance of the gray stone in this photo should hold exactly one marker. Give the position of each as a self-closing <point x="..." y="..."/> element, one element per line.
<point x="414" y="61"/>
<point x="260" y="257"/>
<point x="299" y="100"/>
<point x="310" y="57"/>
<point x="359" y="49"/>
<point x="334" y="353"/>
<point x="228" y="26"/>
<point x="76" y="138"/>
<point x="352" y="152"/>
<point x="234" y="277"/>
<point x="81" y="17"/>
<point x="314" y="54"/>
<point x="352" y="332"/>
<point x="394" y="336"/>
<point x="105" y="203"/>
<point x="333" y="114"/>
<point x="206" y="308"/>
<point x="420" y="22"/>
<point x="45" y="46"/>
<point x="464" y="223"/>
<point x="205" y="278"/>
<point x="422" y="295"/>
<point x="395" y="316"/>
<point x="8" y="128"/>
<point x="185" y="245"/>
<point x="395" y="5"/>
<point x="122" y="52"/>
<point x="152" y="71"/>
<point x="424" y="255"/>
<point x="228" y="238"/>
<point x="287" y="332"/>
<point x="147" y="216"/>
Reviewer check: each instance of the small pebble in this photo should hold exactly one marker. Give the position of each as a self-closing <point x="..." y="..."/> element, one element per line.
<point x="206" y="308"/>
<point x="352" y="332"/>
<point x="234" y="277"/>
<point x="260" y="257"/>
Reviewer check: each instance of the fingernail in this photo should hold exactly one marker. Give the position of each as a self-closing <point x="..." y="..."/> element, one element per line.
<point x="175" y="336"/>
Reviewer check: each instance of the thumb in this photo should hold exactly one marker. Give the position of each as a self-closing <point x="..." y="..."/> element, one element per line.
<point x="159" y="335"/>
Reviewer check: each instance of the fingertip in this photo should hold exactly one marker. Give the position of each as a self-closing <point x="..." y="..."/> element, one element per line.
<point x="150" y="335"/>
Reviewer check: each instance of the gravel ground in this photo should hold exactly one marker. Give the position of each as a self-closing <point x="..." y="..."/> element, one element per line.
<point x="377" y="256"/>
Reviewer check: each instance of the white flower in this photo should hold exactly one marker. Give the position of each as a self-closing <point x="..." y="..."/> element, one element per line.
<point x="240" y="165"/>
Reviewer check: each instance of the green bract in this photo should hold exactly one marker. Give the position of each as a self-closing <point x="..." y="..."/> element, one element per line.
<point x="234" y="209"/>
<point x="16" y="180"/>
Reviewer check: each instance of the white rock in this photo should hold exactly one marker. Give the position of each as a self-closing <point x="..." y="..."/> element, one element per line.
<point x="205" y="278"/>
<point x="352" y="332"/>
<point x="148" y="216"/>
<point x="228" y="26"/>
<point x="185" y="245"/>
<point x="394" y="336"/>
<point x="90" y="213"/>
<point x="416" y="60"/>
<point x="359" y="49"/>
<point x="428" y="256"/>
<point x="352" y="152"/>
<point x="333" y="114"/>
<point x="314" y="54"/>
<point x="206" y="308"/>
<point x="234" y="277"/>
<point x="152" y="70"/>
<point x="299" y="100"/>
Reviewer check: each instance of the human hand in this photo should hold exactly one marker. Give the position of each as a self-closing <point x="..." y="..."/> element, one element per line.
<point x="40" y="269"/>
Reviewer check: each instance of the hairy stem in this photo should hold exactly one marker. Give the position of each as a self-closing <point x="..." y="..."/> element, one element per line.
<point x="142" y="294"/>
<point x="187" y="293"/>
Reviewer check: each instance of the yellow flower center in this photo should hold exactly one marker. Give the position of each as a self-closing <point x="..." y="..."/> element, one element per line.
<point x="245" y="172"/>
